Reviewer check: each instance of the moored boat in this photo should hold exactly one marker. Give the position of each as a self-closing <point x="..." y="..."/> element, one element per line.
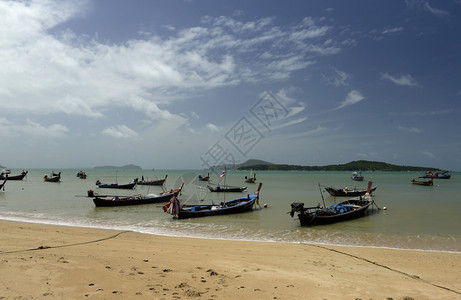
<point x="55" y="177"/>
<point x="233" y="206"/>
<point x="251" y="178"/>
<point x="204" y="178"/>
<point x="343" y="211"/>
<point x="346" y="192"/>
<point x="105" y="201"/>
<point x="128" y="186"/>
<point x="81" y="175"/>
<point x="357" y="177"/>
<point x="13" y="177"/>
<point x="153" y="181"/>
<point x="423" y="182"/>
<point x="226" y="189"/>
<point x="436" y="175"/>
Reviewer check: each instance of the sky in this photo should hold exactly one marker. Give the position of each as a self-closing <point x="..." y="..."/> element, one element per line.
<point x="189" y="84"/>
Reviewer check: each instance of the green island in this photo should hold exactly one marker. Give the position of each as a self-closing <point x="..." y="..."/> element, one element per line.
<point x="358" y="165"/>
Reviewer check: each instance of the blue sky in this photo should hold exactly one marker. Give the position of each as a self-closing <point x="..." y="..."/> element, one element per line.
<point x="188" y="84"/>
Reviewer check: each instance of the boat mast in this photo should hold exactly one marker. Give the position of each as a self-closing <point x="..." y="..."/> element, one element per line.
<point x="323" y="200"/>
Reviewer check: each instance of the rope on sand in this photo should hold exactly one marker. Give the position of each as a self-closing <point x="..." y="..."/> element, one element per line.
<point x="67" y="245"/>
<point x="415" y="277"/>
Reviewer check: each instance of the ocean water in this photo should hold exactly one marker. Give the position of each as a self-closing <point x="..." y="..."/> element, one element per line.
<point x="417" y="217"/>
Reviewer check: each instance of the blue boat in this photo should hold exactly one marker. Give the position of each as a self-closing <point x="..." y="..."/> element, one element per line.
<point x="233" y="206"/>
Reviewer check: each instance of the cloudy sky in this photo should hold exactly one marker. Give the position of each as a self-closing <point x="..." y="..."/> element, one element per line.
<point x="187" y="84"/>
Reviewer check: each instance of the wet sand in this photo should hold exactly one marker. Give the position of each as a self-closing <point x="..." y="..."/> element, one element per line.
<point x="59" y="262"/>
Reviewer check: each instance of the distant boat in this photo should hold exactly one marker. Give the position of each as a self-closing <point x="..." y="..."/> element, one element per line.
<point x="204" y="178"/>
<point x="226" y="189"/>
<point x="128" y="186"/>
<point x="346" y="192"/>
<point x="436" y="175"/>
<point x="55" y="177"/>
<point x="343" y="211"/>
<point x="81" y="175"/>
<point x="233" y="206"/>
<point x="152" y="181"/>
<point x="357" y="176"/>
<point x="14" y="177"/>
<point x="423" y="182"/>
<point x="104" y="201"/>
<point x="251" y="178"/>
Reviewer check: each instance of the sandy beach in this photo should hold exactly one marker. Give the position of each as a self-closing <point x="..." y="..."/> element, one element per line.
<point x="59" y="262"/>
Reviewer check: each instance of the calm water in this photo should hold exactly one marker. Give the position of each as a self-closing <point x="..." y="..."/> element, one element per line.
<point x="417" y="217"/>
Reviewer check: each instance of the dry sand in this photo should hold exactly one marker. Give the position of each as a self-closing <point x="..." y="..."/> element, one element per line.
<point x="58" y="262"/>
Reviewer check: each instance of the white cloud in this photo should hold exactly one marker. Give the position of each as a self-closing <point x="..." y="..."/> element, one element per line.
<point x="315" y="131"/>
<point x="339" y="78"/>
<point x="409" y="129"/>
<point x="424" y="5"/>
<point x="428" y="154"/>
<point x="392" y="30"/>
<point x="212" y="127"/>
<point x="47" y="72"/>
<point x="32" y="130"/>
<point x="352" y="98"/>
<point x="403" y="80"/>
<point x="120" y="131"/>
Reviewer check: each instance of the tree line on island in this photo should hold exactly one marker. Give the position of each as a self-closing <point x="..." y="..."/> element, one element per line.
<point x="363" y="165"/>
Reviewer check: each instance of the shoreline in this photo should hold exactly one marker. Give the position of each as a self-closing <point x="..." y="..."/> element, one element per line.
<point x="229" y="239"/>
<point x="78" y="262"/>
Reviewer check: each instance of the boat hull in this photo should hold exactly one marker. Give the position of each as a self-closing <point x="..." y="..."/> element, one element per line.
<point x="227" y="189"/>
<point x="133" y="200"/>
<point x="354" y="208"/>
<point x="423" y="182"/>
<point x="152" y="182"/>
<point x="347" y="193"/>
<point x="196" y="211"/>
<point x="128" y="186"/>
<point x="14" y="177"/>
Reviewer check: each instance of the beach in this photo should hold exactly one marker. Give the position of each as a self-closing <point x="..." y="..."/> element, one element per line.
<point x="62" y="262"/>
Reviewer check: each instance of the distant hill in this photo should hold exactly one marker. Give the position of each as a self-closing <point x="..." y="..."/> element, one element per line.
<point x="254" y="162"/>
<point x="358" y="165"/>
<point x="125" y="167"/>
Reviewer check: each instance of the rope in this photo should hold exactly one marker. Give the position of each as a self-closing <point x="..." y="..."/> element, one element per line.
<point x="68" y="245"/>
<point x="415" y="277"/>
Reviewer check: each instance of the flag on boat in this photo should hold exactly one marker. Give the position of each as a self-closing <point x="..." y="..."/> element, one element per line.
<point x="223" y="174"/>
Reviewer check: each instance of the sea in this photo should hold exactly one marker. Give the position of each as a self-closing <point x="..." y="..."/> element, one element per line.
<point x="405" y="216"/>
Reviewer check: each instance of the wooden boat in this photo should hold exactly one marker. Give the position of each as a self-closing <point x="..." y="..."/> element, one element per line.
<point x="357" y="177"/>
<point x="423" y="182"/>
<point x="153" y="181"/>
<point x="81" y="175"/>
<point x="233" y="206"/>
<point x="343" y="211"/>
<point x="251" y="178"/>
<point x="14" y="177"/>
<point x="436" y="175"/>
<point x="55" y="177"/>
<point x="226" y="189"/>
<point x="105" y="201"/>
<point x="346" y="192"/>
<point x="128" y="186"/>
<point x="204" y="178"/>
